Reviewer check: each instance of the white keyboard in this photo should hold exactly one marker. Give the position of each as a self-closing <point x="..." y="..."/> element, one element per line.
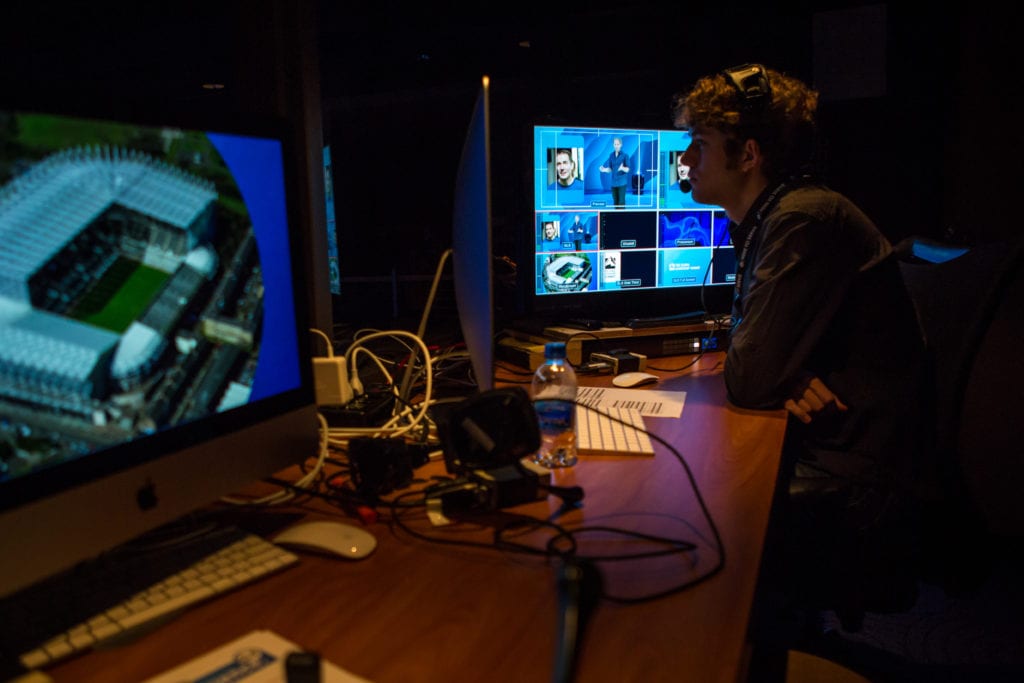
<point x="242" y="562"/>
<point x="600" y="434"/>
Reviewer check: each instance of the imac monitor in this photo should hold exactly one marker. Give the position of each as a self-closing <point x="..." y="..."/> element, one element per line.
<point x="153" y="328"/>
<point x="472" y="269"/>
<point x="614" y="237"/>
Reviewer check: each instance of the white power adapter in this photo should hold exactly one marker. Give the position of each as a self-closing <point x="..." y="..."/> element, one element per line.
<point x="331" y="379"/>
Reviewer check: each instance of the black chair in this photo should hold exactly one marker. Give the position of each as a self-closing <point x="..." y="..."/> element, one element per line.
<point x="969" y="306"/>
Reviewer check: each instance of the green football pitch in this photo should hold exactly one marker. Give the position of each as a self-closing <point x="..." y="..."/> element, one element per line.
<point x="120" y="296"/>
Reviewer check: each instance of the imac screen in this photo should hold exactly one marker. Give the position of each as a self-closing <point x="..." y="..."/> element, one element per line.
<point x="612" y="226"/>
<point x="471" y="243"/>
<point x="148" y="306"/>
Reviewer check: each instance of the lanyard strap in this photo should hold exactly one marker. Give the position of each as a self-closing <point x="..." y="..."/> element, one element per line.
<point x="765" y="206"/>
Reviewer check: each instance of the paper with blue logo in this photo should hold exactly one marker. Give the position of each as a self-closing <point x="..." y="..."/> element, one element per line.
<point x="257" y="657"/>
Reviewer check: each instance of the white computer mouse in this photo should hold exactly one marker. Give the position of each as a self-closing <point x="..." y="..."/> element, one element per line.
<point x="329" y="537"/>
<point x="633" y="379"/>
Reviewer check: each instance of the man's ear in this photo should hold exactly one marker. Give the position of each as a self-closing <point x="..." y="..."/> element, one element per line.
<point x="750" y="156"/>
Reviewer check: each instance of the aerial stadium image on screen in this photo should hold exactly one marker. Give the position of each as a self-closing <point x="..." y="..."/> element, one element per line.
<point x="566" y="272"/>
<point x="131" y="292"/>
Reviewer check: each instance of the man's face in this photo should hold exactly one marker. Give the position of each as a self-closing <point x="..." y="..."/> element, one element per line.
<point x="715" y="180"/>
<point x="549" y="231"/>
<point x="564" y="168"/>
<point x="617" y="144"/>
<point x="682" y="170"/>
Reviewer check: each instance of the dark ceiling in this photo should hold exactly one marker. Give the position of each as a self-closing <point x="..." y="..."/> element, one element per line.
<point x="391" y="47"/>
<point x="146" y="50"/>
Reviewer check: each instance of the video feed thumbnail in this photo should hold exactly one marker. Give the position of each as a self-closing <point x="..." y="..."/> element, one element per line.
<point x="683" y="267"/>
<point x="629" y="229"/>
<point x="723" y="265"/>
<point x="684" y="229"/>
<point x="628" y="269"/>
<point x="565" y="273"/>
<point x="566" y="231"/>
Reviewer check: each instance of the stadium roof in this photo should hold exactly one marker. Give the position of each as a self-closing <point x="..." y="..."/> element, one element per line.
<point x="46" y="207"/>
<point x="50" y="344"/>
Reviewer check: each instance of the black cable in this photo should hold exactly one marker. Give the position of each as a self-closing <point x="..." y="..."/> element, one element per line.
<point x="679" y="546"/>
<point x="501" y="542"/>
<point x="704" y="282"/>
<point x="719" y="546"/>
<point x="700" y="354"/>
<point x="395" y="520"/>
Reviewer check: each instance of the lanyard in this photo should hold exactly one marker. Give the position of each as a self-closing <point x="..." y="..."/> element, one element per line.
<point x="767" y="204"/>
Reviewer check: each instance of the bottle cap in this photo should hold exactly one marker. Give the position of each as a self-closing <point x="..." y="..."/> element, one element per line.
<point x="554" y="350"/>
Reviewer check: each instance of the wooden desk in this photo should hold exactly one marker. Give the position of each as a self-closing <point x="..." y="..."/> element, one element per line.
<point x="418" y="612"/>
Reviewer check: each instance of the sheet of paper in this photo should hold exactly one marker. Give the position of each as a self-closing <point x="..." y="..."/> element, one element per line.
<point x="257" y="657"/>
<point x="650" y="402"/>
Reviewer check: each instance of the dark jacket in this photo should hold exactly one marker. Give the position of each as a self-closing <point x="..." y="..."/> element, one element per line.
<point x="822" y="294"/>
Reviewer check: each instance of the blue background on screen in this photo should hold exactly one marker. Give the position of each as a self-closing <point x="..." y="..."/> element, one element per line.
<point x="721" y="236"/>
<point x="256" y="165"/>
<point x="693" y="227"/>
<point x="682" y="267"/>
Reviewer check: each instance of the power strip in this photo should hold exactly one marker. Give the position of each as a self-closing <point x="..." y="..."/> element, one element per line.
<point x="371" y="409"/>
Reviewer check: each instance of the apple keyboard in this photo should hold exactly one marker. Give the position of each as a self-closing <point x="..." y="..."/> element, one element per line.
<point x="237" y="560"/>
<point x="611" y="431"/>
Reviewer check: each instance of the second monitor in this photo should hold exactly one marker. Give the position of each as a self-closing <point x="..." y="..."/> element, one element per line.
<point x="615" y="233"/>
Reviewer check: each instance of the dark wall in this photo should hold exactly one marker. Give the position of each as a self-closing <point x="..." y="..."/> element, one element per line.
<point x="919" y="111"/>
<point x="890" y="112"/>
<point x="402" y="128"/>
<point x="984" y="152"/>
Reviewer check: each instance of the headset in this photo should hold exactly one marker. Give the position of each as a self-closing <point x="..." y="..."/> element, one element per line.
<point x="751" y="82"/>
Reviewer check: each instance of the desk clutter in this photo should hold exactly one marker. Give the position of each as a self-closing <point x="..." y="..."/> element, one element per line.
<point x="629" y="538"/>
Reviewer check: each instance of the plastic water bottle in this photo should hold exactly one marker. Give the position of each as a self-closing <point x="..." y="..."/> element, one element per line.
<point x="554" y="395"/>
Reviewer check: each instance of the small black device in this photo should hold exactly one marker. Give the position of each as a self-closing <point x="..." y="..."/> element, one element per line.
<point x="379" y="466"/>
<point x="302" y="667"/>
<point x="620" y="360"/>
<point x="488" y="430"/>
<point x="583" y="324"/>
<point x="485" y="438"/>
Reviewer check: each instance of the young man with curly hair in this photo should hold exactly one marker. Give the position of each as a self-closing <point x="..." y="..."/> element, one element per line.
<point x="823" y="327"/>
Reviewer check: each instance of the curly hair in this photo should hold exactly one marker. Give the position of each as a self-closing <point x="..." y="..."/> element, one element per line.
<point x="785" y="127"/>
